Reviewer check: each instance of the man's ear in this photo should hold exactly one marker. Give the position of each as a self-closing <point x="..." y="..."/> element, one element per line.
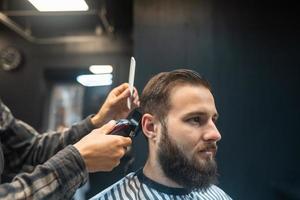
<point x="149" y="126"/>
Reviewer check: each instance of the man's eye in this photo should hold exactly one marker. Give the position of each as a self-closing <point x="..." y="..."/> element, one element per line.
<point x="195" y="120"/>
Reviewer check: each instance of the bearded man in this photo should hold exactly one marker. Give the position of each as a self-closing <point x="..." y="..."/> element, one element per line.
<point x="179" y="123"/>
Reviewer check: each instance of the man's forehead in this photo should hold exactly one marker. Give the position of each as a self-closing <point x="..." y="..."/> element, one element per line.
<point x="191" y="98"/>
<point x="184" y="91"/>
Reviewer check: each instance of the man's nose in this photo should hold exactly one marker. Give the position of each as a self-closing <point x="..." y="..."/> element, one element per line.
<point x="212" y="133"/>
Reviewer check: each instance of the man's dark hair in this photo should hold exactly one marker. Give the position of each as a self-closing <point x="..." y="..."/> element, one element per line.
<point x="155" y="98"/>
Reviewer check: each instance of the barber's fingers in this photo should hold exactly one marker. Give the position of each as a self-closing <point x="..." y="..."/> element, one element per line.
<point x="135" y="98"/>
<point x="120" y="89"/>
<point x="106" y="128"/>
<point x="135" y="94"/>
<point x="125" y="142"/>
<point x="124" y="95"/>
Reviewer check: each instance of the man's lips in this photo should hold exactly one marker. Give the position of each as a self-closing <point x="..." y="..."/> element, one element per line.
<point x="209" y="150"/>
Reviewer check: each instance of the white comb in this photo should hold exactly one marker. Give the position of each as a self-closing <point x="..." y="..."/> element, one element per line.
<point x="131" y="80"/>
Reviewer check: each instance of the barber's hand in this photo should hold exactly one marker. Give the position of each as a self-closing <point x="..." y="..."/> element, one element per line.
<point x="115" y="105"/>
<point x="102" y="152"/>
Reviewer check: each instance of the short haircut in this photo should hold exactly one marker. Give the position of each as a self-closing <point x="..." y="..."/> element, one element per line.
<point x="155" y="98"/>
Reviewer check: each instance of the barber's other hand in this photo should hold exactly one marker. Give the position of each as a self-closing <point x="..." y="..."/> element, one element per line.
<point x="102" y="152"/>
<point x="115" y="105"/>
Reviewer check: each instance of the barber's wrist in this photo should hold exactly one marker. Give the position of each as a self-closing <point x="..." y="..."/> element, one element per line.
<point x="102" y="117"/>
<point x="95" y="121"/>
<point x="98" y="120"/>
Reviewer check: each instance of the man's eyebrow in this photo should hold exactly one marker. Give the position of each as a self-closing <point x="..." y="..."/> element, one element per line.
<point x="216" y="115"/>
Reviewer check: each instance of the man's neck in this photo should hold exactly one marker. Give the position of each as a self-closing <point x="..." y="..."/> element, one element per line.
<point x="153" y="171"/>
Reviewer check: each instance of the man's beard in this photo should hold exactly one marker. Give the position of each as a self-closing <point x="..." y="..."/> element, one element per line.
<point x="189" y="173"/>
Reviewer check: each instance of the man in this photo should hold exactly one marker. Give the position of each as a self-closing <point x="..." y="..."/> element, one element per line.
<point x="56" y="167"/>
<point x="179" y="116"/>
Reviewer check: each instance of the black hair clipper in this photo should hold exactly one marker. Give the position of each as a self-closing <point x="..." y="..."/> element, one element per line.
<point x="130" y="126"/>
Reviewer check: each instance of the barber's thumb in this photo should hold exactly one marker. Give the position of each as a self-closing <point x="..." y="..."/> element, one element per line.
<point x="106" y="128"/>
<point x="126" y="141"/>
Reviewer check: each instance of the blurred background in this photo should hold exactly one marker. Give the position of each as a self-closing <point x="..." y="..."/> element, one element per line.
<point x="248" y="50"/>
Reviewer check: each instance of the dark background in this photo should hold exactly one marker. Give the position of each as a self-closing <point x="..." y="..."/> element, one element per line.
<point x="248" y="50"/>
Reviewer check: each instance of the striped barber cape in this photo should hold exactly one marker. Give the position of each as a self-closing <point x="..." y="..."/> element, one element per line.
<point x="136" y="186"/>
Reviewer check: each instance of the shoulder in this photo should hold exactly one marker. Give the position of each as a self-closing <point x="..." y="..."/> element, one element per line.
<point x="117" y="189"/>
<point x="214" y="192"/>
<point x="6" y="116"/>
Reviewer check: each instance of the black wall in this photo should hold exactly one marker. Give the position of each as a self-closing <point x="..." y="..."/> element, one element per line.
<point x="249" y="52"/>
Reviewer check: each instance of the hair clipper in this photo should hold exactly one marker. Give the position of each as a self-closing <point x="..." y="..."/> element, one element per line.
<point x="128" y="127"/>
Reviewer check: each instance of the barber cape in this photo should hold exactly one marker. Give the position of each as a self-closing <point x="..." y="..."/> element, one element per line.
<point x="136" y="186"/>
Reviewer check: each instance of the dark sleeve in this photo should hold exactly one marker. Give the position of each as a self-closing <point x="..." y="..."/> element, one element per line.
<point x="58" y="178"/>
<point x="22" y="145"/>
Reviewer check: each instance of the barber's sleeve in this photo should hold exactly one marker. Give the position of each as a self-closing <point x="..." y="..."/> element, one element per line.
<point x="25" y="146"/>
<point x="58" y="178"/>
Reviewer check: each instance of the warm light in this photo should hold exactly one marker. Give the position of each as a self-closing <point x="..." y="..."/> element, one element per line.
<point x="101" y="69"/>
<point x="91" y="80"/>
<point x="59" y="5"/>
